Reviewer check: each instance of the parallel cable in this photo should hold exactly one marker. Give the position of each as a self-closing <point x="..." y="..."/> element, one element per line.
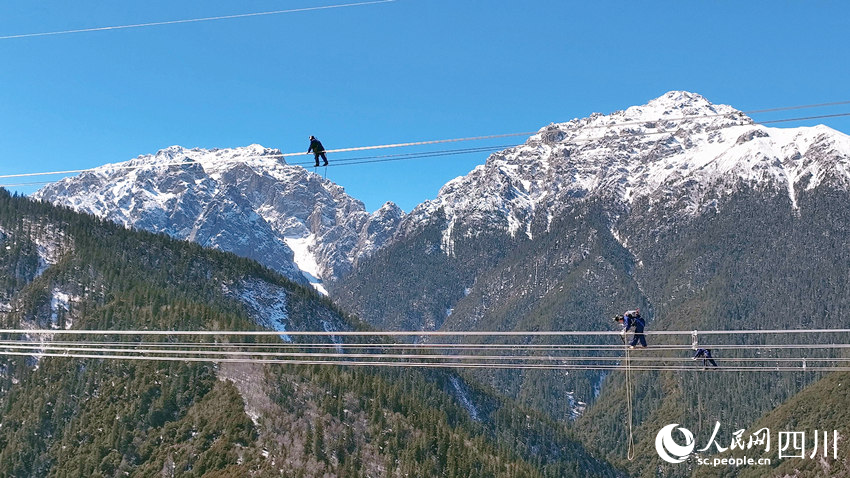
<point x="440" y="141"/>
<point x="39" y="347"/>
<point x="630" y="453"/>
<point x="448" y="355"/>
<point x="836" y="115"/>
<point x="336" y="162"/>
<point x="192" y="20"/>
<point x="413" y="333"/>
<point x="435" y="346"/>
<point x="426" y="364"/>
<point x="800" y="107"/>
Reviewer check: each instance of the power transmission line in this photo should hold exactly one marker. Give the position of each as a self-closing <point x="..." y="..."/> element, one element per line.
<point x="39" y="347"/>
<point x="357" y="363"/>
<point x="442" y="141"/>
<point x="440" y="355"/>
<point x="415" y="333"/>
<point x="436" y="346"/>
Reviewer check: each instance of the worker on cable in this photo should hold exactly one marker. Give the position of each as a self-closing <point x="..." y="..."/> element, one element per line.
<point x="706" y="357"/>
<point x="318" y="150"/>
<point x="629" y="319"/>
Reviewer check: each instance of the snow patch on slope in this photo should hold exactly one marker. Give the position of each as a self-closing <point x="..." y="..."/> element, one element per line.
<point x="60" y="304"/>
<point x="463" y="397"/>
<point x="576" y="407"/>
<point x="336" y="339"/>
<point x="50" y="248"/>
<point x="59" y="307"/>
<point x="266" y="304"/>
<point x="4" y="306"/>
<point x="306" y="261"/>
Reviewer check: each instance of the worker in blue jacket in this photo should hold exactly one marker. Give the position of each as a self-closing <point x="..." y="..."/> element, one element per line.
<point x="705" y="354"/>
<point x="318" y="150"/>
<point x="629" y="319"/>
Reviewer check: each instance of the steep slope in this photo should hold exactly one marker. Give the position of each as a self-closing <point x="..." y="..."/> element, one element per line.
<point x="821" y="407"/>
<point x="825" y="405"/>
<point x="64" y="416"/>
<point x="243" y="200"/>
<point x="757" y="263"/>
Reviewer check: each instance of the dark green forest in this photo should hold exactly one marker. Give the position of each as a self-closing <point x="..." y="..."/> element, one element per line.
<point x="70" y="417"/>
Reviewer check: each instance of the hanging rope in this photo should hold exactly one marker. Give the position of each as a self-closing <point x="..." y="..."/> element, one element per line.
<point x="630" y="454"/>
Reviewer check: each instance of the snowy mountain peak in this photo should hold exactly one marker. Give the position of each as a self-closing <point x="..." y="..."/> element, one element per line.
<point x="678" y="147"/>
<point x="676" y="105"/>
<point x="681" y="101"/>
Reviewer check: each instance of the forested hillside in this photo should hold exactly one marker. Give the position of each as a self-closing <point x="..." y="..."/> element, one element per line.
<point x="756" y="264"/>
<point x="823" y="406"/>
<point x="96" y="417"/>
<point x="753" y="261"/>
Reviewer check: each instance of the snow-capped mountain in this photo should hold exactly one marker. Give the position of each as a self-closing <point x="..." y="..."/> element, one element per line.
<point x="665" y="164"/>
<point x="244" y="200"/>
<point x="678" y="147"/>
<point x="687" y="210"/>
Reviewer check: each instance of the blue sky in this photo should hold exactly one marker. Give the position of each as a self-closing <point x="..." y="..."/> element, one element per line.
<point x="404" y="71"/>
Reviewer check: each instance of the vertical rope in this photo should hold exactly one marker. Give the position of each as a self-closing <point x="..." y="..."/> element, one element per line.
<point x="630" y="454"/>
<point x="699" y="409"/>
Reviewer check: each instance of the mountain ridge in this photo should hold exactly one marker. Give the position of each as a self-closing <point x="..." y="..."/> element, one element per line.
<point x="243" y="200"/>
<point x="678" y="147"/>
<point x="677" y="144"/>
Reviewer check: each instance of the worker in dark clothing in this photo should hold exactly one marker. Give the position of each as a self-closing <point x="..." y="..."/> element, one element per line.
<point x="706" y="357"/>
<point x="631" y="319"/>
<point x="318" y="150"/>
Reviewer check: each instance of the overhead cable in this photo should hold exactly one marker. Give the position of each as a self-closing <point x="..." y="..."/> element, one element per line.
<point x="192" y="20"/>
<point x="39" y="348"/>
<point x="420" y="347"/>
<point x="359" y="363"/>
<point x="413" y="333"/>
<point x="432" y="142"/>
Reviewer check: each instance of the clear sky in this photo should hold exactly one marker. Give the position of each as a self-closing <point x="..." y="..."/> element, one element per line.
<point x="403" y="71"/>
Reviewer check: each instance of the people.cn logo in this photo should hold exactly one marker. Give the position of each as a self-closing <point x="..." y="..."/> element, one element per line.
<point x="668" y="449"/>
